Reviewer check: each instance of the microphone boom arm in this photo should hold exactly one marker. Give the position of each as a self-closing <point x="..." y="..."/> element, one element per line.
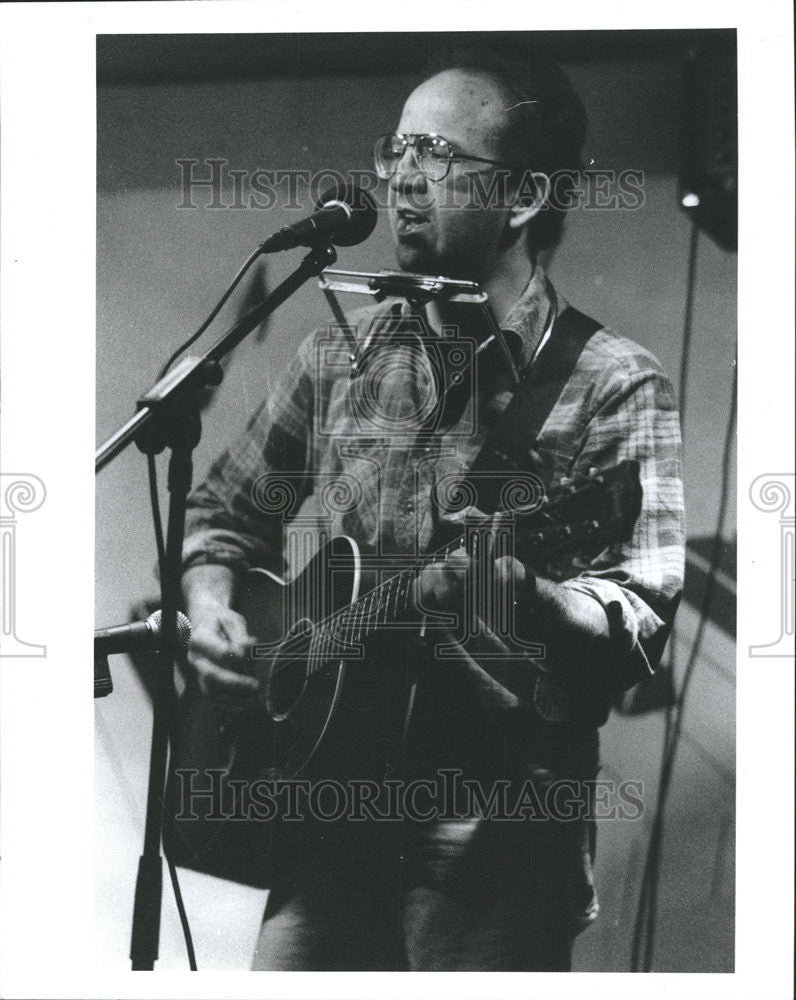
<point x="194" y="373"/>
<point x="169" y="417"/>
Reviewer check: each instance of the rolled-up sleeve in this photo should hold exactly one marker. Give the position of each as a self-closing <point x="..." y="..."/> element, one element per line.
<point x="638" y="582"/>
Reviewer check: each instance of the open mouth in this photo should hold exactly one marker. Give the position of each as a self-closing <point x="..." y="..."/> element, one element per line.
<point x="409" y="222"/>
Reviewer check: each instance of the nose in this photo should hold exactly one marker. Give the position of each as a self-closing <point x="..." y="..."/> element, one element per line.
<point x="408" y="176"/>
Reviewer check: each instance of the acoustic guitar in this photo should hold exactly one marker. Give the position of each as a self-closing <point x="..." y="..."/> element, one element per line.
<point x="327" y="705"/>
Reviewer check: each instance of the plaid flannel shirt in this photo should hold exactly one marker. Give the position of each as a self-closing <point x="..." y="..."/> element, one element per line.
<point x="381" y="462"/>
<point x="382" y="465"/>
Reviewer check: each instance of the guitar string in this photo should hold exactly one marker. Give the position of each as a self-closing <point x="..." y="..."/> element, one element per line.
<point x="356" y="624"/>
<point x="358" y="620"/>
<point x="362" y="616"/>
<point x="323" y="637"/>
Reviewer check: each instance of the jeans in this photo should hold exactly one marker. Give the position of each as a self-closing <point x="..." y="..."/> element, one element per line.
<point x="446" y="896"/>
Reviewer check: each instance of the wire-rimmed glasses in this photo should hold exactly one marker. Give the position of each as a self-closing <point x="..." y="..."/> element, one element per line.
<point x="433" y="155"/>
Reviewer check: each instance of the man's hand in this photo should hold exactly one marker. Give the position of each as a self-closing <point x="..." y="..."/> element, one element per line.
<point x="441" y="585"/>
<point x="444" y="586"/>
<point x="220" y="649"/>
<point x="220" y="653"/>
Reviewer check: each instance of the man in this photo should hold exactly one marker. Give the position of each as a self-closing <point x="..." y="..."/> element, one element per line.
<point x="469" y="891"/>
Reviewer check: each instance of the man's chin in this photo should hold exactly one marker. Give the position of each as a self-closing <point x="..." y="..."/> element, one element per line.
<point x="417" y="260"/>
<point x="414" y="259"/>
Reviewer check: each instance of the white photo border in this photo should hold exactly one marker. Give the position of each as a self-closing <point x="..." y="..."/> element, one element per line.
<point x="48" y="176"/>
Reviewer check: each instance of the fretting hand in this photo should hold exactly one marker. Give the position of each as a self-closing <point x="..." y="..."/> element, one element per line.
<point x="483" y="580"/>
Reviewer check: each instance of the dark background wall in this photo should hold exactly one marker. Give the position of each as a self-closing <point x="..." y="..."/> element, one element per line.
<point x="317" y="102"/>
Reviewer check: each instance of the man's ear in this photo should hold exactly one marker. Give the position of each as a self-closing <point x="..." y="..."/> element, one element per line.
<point x="531" y="195"/>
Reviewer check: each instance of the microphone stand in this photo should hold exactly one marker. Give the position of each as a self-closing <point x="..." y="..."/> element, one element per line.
<point x="169" y="417"/>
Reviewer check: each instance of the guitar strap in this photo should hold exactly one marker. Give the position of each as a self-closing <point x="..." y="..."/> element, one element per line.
<point x="507" y="447"/>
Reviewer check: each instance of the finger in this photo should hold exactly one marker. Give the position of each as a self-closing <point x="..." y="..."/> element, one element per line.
<point x="483" y="548"/>
<point x="236" y="631"/>
<point x="215" y="679"/>
<point x="509" y="572"/>
<point x="210" y="643"/>
<point x="457" y="562"/>
<point x="425" y="587"/>
<point x="439" y="587"/>
<point x="471" y="515"/>
<point x="214" y="645"/>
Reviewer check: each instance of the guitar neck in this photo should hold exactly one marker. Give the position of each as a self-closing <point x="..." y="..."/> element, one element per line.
<point x="385" y="604"/>
<point x="599" y="508"/>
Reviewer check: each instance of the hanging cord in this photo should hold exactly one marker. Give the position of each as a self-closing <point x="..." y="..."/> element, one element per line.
<point x="186" y="929"/>
<point x="216" y="310"/>
<point x="688" y="320"/>
<point x="151" y="466"/>
<point x="157" y="523"/>
<point x="154" y="502"/>
<point x="646" y="913"/>
<point x="158" y="527"/>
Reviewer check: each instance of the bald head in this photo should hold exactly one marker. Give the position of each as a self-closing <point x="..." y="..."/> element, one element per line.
<point x="538" y="122"/>
<point x="468" y="107"/>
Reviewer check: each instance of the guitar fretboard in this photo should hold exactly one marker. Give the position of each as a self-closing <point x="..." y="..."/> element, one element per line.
<point x="602" y="507"/>
<point x="343" y="632"/>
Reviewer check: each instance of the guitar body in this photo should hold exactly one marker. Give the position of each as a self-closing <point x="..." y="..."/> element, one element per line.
<point x="299" y="694"/>
<point x="324" y="710"/>
<point x="221" y="769"/>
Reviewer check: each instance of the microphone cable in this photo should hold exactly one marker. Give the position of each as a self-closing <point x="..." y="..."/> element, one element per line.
<point x="151" y="467"/>
<point x="215" y="311"/>
<point x="157" y="523"/>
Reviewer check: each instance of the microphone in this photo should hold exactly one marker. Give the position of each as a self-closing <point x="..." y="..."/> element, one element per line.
<point x="138" y="636"/>
<point x="346" y="215"/>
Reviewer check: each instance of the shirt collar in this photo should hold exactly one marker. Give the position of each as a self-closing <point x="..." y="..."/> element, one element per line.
<point x="526" y="324"/>
<point x="531" y="315"/>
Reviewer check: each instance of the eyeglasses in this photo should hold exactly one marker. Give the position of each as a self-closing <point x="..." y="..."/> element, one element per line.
<point x="432" y="153"/>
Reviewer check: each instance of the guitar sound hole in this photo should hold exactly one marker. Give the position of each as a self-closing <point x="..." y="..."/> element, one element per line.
<point x="287" y="679"/>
